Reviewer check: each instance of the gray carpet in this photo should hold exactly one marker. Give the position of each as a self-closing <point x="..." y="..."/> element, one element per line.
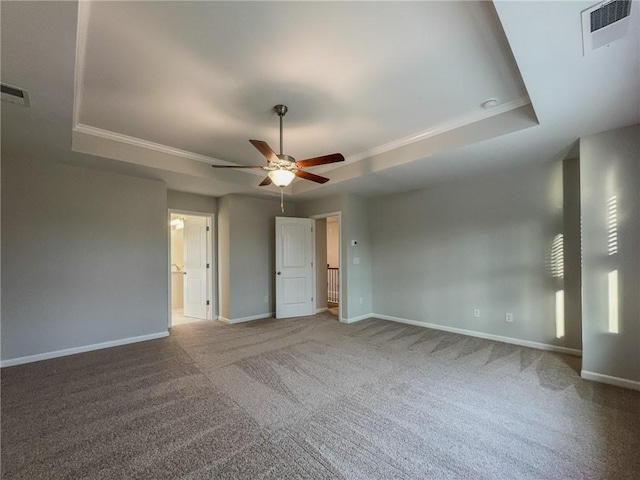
<point x="313" y="398"/>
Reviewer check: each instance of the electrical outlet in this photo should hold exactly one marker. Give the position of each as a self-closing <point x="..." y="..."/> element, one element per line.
<point x="266" y="299"/>
<point x="360" y="300"/>
<point x="476" y="313"/>
<point x="508" y="317"/>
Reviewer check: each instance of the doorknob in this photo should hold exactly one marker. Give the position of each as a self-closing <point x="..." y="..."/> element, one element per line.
<point x="279" y="273"/>
<point x="184" y="273"/>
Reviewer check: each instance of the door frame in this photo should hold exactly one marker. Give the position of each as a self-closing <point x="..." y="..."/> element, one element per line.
<point x="341" y="298"/>
<point x="211" y="257"/>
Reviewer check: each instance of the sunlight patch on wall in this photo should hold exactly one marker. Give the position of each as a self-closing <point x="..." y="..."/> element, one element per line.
<point x="612" y="224"/>
<point x="557" y="256"/>
<point x="613" y="302"/>
<point x="560" y="314"/>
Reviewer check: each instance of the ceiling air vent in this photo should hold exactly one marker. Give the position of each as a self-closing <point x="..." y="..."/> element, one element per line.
<point x="605" y="23"/>
<point x="14" y="95"/>
<point x="609" y="13"/>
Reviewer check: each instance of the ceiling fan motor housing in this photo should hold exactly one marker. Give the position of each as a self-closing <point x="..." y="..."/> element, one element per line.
<point x="286" y="160"/>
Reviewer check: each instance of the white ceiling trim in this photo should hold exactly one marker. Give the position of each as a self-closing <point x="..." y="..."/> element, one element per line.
<point x="138" y="142"/>
<point x="451" y="125"/>
<point x="210" y="181"/>
<point x="495" y="126"/>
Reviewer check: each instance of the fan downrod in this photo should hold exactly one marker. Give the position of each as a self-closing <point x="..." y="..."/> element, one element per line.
<point x="281" y="110"/>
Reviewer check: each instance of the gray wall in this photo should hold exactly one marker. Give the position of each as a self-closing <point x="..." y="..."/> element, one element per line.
<point x="356" y="278"/>
<point x="85" y="257"/>
<point x="572" y="250"/>
<point x="360" y="276"/>
<point x="223" y="256"/>
<point x="610" y="166"/>
<point x="191" y="202"/>
<point x="321" y="263"/>
<point x="246" y="254"/>
<point x="484" y="243"/>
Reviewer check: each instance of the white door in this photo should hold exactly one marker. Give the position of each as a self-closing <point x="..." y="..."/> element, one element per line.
<point x="195" y="267"/>
<point x="294" y="267"/>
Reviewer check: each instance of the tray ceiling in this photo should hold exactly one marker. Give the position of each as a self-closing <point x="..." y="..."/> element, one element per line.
<point x="198" y="79"/>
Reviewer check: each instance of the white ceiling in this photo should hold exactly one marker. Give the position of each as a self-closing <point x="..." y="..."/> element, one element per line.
<point x="163" y="89"/>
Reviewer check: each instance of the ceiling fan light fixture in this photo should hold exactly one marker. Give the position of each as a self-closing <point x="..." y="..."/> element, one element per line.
<point x="281" y="178"/>
<point x="177" y="223"/>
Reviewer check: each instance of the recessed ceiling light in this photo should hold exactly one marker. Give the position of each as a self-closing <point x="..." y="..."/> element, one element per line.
<point x="490" y="103"/>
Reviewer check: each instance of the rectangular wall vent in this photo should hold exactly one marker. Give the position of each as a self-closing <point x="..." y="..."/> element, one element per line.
<point x="604" y="23"/>
<point x="14" y="95"/>
<point x="609" y="13"/>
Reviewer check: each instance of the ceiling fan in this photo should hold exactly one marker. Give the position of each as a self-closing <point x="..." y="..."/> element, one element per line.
<point x="281" y="168"/>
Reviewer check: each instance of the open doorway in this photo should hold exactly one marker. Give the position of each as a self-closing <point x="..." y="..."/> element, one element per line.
<point x="191" y="265"/>
<point x="333" y="266"/>
<point x="327" y="264"/>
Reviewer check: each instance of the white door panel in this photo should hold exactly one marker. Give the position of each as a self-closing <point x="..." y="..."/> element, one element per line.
<point x="195" y="267"/>
<point x="294" y="270"/>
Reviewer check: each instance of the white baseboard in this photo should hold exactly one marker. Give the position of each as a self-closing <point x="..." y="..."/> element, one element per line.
<point x="320" y="310"/>
<point x="486" y="336"/>
<point x="245" y="319"/>
<point x="356" y="319"/>
<point x="87" y="348"/>
<point x="617" y="381"/>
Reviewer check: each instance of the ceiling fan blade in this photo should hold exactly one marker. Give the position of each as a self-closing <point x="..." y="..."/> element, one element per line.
<point x="312" y="162"/>
<point x="238" y="166"/>
<point x="265" y="182"/>
<point x="265" y="150"/>
<point x="311" y="176"/>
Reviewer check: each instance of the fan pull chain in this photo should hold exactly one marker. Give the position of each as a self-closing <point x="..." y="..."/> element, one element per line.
<point x="282" y="199"/>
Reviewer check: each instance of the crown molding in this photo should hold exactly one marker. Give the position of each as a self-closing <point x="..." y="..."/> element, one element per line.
<point x="164" y="149"/>
<point x="138" y="142"/>
<point x="435" y="130"/>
